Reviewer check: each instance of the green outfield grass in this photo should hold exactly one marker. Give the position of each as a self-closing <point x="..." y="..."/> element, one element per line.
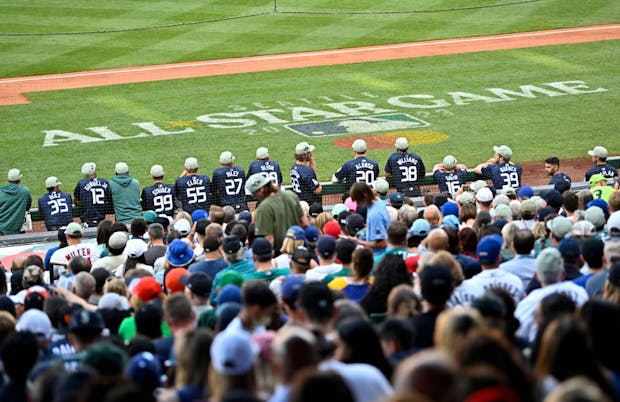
<point x="565" y="125"/>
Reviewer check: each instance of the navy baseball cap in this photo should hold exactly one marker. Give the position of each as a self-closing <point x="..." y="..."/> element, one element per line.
<point x="261" y="246"/>
<point x="198" y="283"/>
<point x="301" y="256"/>
<point x="489" y="248"/>
<point x="290" y="289"/>
<point x="396" y="199"/>
<point x="229" y="293"/>
<point x="144" y="369"/>
<point x="355" y="223"/>
<point x="569" y="248"/>
<point x="312" y="234"/>
<point x="231" y="244"/>
<point x="296" y="233"/>
<point x="326" y="246"/>
<point x="554" y="199"/>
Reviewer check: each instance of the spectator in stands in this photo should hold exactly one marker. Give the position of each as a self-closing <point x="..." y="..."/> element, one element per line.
<point x="599" y="159"/>
<point x="377" y="219"/>
<point x="390" y="273"/>
<point x="405" y="170"/>
<point x="213" y="262"/>
<point x="116" y="246"/>
<point x="560" y="181"/>
<point x="228" y="183"/>
<point x="357" y="284"/>
<point x="125" y="192"/>
<point x="500" y="169"/>
<point x="56" y="206"/>
<point x="412" y="376"/>
<point x="599" y="187"/>
<point x="262" y="256"/>
<point x="60" y="259"/>
<point x="15" y="202"/>
<point x="523" y="264"/>
<point x="232" y="249"/>
<point x="19" y="354"/>
<point x="326" y="249"/>
<point x="303" y="174"/>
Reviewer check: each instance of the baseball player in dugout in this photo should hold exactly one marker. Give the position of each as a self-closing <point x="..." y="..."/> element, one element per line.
<point x="500" y="169"/>
<point x="599" y="159"/>
<point x="450" y="175"/>
<point x="405" y="170"/>
<point x="303" y="175"/>
<point x="358" y="169"/>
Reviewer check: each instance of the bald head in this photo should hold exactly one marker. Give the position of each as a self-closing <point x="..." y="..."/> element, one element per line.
<point x="432" y="214"/>
<point x="437" y="240"/>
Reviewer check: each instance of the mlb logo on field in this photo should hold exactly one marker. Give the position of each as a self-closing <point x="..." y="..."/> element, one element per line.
<point x="358" y="125"/>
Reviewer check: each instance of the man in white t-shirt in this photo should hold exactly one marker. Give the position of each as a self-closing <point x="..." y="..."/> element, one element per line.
<point x="326" y="249"/>
<point x="61" y="257"/>
<point x="550" y="273"/>
<point x="489" y="256"/>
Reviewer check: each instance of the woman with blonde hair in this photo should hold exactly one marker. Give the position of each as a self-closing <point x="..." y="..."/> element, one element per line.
<point x="403" y="302"/>
<point x="453" y="325"/>
<point x="295" y="237"/>
<point x="321" y="219"/>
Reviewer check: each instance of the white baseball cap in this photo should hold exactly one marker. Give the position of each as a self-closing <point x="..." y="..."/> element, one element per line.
<point x="262" y="153"/>
<point x="191" y="163"/>
<point x="88" y="169"/>
<point x="449" y="162"/>
<point x="14" y="175"/>
<point x="503" y="151"/>
<point x="303" y="148"/>
<point x="52" y="181"/>
<point x="121" y="168"/>
<point x="484" y="195"/>
<point x="599" y="151"/>
<point x="157" y="171"/>
<point x="359" y="146"/>
<point x="401" y="143"/>
<point x="226" y="157"/>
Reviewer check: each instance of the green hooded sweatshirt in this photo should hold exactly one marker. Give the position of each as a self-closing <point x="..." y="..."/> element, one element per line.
<point x="15" y="200"/>
<point x="126" y="197"/>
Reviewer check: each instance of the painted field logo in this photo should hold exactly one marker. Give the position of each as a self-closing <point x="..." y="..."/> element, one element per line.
<point x="358" y="125"/>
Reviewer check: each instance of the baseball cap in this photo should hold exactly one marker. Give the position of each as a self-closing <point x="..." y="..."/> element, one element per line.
<point x="290" y="288"/>
<point x="89" y="168"/>
<point x="488" y="249"/>
<point x="450" y="208"/>
<point x="350" y="204"/>
<point x="569" y="248"/>
<point x="396" y="199"/>
<point x="420" y="228"/>
<point x="255" y="182"/>
<point x="73" y="229"/>
<point x="549" y="260"/>
<point x="596" y="216"/>
<point x="553" y="198"/>
<point x="484" y="195"/>
<point x="211" y="243"/>
<point x="560" y="226"/>
<point x="315" y="209"/>
<point x="183" y="226"/>
<point x="439" y="200"/>
<point x="113" y="301"/>
<point x="230" y="278"/>
<point x="359" y="146"/>
<point x="449" y="162"/>
<point x="316" y="297"/>
<point x="14" y="175"/>
<point x="543" y="212"/>
<point x="466" y="197"/>
<point x="478" y="185"/>
<point x="173" y="280"/>
<point x="503" y="211"/>
<point x="583" y="229"/>
<point x="302" y="256"/>
<point x="231" y="244"/>
<point x="602" y="204"/>
<point x="150" y="216"/>
<point x="145" y="370"/>
<point x="36" y="322"/>
<point x="52" y="181"/>
<point x="599" y="151"/>
<point x="245" y="215"/>
<point x="332" y="229"/>
<point x="355" y="223"/>
<point x="262" y="153"/>
<point x="118" y="240"/>
<point x="121" y="168"/>
<point x="303" y="148"/>
<point x="232" y="353"/>
<point x="326" y="245"/>
<point x="436" y="283"/>
<point x="528" y="206"/>
<point x="296" y="233"/>
<point x="338" y="208"/>
<point x="199" y="214"/>
<point x="106" y="358"/>
<point x="226" y="158"/>
<point x="613" y="224"/>
<point x="179" y="253"/>
<point x="526" y="192"/>
<point x="593" y="248"/>
<point x="401" y="143"/>
<point x="84" y="320"/>
<point x="452" y="222"/>
<point x="229" y="293"/>
<point x="157" y="171"/>
<point x="312" y="234"/>
<point x="504" y="151"/>
<point x="507" y="190"/>
<point x="191" y="163"/>
<point x="135" y="248"/>
<point x="342" y="218"/>
<point x="198" y="282"/>
<point x="596" y="178"/>
<point x="382" y="186"/>
<point x="147" y="288"/>
<point x="261" y="246"/>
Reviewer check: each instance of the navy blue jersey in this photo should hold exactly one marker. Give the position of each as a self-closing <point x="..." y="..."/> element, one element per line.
<point x="406" y="170"/>
<point x="560" y="178"/>
<point x="94" y="197"/>
<point x="304" y="182"/>
<point x="450" y="181"/>
<point x="228" y="186"/>
<point x="358" y="169"/>
<point x="193" y="192"/>
<point x="503" y="174"/>
<point x="606" y="170"/>
<point x="159" y="198"/>
<point x="269" y="169"/>
<point x="56" y="209"/>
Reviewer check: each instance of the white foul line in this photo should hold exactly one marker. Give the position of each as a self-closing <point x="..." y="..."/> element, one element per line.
<point x="311" y="54"/>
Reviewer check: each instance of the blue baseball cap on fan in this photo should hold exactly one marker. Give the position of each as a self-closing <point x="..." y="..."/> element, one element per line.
<point x="489" y="248"/>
